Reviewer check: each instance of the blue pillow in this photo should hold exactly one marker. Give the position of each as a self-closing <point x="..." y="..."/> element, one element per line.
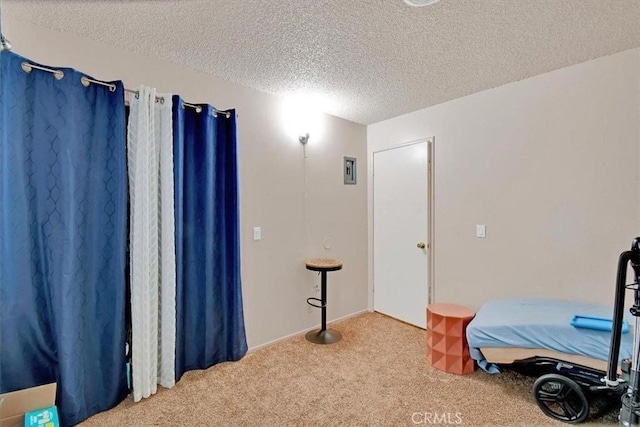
<point x="597" y="323"/>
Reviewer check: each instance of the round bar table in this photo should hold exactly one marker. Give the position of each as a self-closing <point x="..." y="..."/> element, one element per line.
<point x="323" y="335"/>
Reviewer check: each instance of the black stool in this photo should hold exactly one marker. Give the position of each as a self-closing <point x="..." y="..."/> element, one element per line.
<point x="323" y="336"/>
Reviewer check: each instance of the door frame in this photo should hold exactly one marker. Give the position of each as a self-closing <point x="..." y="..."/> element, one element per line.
<point x="430" y="214"/>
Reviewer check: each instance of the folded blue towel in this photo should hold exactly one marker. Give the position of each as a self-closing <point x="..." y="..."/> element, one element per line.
<point x="597" y="323"/>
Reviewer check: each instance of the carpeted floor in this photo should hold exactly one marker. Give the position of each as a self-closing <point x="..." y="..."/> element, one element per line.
<point x="376" y="376"/>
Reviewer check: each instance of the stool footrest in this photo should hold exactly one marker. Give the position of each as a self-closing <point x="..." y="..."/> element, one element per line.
<point x="321" y="305"/>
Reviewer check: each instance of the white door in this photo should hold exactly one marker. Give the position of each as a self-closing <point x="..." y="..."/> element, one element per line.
<point x="400" y="227"/>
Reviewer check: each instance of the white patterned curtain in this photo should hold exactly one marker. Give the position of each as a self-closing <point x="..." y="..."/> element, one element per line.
<point x="153" y="275"/>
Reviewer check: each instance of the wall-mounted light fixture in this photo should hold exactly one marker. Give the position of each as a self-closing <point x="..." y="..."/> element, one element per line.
<point x="302" y="117"/>
<point x="420" y="3"/>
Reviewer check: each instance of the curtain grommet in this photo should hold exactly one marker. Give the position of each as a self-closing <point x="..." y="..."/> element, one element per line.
<point x="26" y="67"/>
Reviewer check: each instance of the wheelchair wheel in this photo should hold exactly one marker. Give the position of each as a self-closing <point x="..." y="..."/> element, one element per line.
<point x="561" y="398"/>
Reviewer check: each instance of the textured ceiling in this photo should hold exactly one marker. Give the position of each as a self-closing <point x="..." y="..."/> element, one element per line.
<point x="367" y="60"/>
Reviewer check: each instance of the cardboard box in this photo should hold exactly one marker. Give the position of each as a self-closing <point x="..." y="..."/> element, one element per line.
<point x="14" y="405"/>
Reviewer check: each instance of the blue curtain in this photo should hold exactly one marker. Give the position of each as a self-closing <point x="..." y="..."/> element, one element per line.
<point x="62" y="245"/>
<point x="210" y="323"/>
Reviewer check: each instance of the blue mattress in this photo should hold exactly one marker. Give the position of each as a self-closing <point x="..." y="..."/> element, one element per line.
<point x="541" y="323"/>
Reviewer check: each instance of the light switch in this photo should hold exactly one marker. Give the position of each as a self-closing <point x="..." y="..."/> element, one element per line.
<point x="481" y="231"/>
<point x="257" y="233"/>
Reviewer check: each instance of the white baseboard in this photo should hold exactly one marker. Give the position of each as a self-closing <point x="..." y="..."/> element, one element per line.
<point x="295" y="334"/>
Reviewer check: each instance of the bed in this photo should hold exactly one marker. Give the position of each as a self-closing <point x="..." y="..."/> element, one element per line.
<point x="539" y="332"/>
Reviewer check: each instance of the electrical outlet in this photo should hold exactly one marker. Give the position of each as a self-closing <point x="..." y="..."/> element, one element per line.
<point x="257" y="233"/>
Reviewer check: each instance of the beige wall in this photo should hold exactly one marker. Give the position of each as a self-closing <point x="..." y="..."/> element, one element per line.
<point x="275" y="282"/>
<point x="550" y="165"/>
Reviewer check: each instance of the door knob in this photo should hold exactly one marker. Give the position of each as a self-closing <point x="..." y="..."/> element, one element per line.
<point x="421" y="245"/>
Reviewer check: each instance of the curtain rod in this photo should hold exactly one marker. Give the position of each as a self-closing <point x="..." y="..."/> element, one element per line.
<point x="86" y="82"/>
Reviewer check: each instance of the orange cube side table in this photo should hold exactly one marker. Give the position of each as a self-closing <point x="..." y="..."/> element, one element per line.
<point x="447" y="348"/>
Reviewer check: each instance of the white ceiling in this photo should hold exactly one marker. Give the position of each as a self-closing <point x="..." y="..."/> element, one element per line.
<point x="367" y="60"/>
